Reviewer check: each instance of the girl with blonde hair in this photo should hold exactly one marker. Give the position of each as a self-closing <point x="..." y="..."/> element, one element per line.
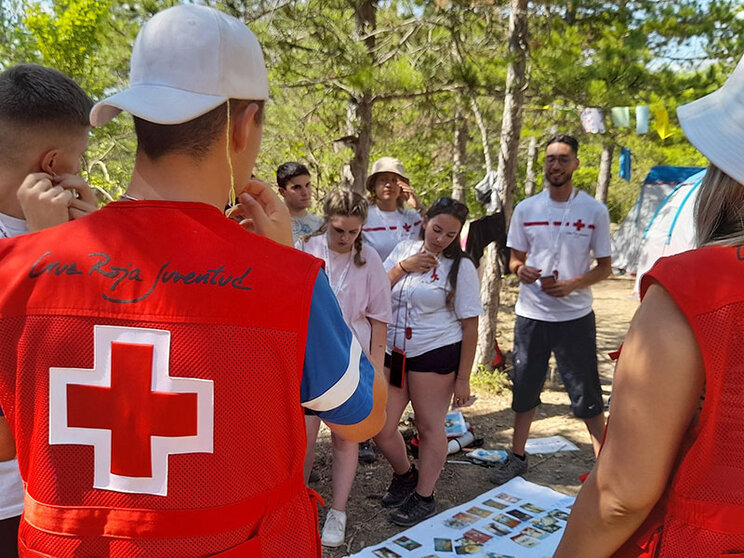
<point x="360" y="283"/>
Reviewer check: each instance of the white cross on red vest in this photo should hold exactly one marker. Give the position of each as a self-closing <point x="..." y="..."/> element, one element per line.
<point x="131" y="410"/>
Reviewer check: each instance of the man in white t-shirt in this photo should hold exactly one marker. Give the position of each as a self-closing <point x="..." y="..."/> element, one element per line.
<point x="43" y="134"/>
<point x="294" y="184"/>
<point x="554" y="238"/>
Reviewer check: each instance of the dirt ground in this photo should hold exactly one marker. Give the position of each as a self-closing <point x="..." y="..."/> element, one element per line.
<point x="491" y="419"/>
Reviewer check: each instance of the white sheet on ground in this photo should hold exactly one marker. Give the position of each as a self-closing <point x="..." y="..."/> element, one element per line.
<point x="518" y="519"/>
<point x="553" y="444"/>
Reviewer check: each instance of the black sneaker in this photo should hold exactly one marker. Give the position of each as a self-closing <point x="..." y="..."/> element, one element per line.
<point x="400" y="488"/>
<point x="366" y="453"/>
<point x="414" y="510"/>
<point x="509" y="469"/>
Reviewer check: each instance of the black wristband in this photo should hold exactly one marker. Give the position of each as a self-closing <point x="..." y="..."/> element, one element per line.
<point x="403" y="268"/>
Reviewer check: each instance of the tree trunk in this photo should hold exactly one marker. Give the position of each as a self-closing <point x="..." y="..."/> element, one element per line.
<point x="361" y="124"/>
<point x="605" y="173"/>
<point x="359" y="112"/>
<point x="511" y="123"/>
<point x="484" y="134"/>
<point x="530" y="180"/>
<point x="506" y="179"/>
<point x="458" y="160"/>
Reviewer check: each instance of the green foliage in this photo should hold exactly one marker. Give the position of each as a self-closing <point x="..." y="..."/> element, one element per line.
<point x="66" y="35"/>
<point x="420" y="62"/>
<point x="490" y="381"/>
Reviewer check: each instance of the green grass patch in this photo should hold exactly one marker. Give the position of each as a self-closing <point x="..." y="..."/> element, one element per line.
<point x="490" y="381"/>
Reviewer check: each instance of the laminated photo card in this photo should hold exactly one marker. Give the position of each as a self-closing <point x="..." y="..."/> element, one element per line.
<point x="455" y="425"/>
<point x="518" y="519"/>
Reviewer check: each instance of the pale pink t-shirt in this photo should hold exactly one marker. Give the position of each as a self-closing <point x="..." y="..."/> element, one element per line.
<point x="364" y="292"/>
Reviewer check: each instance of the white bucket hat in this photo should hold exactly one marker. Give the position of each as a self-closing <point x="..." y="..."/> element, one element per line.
<point x="186" y="61"/>
<point x="386" y="164"/>
<point x="714" y="124"/>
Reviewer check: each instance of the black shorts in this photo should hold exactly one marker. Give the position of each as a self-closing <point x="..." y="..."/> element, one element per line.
<point x="9" y="537"/>
<point x="443" y="360"/>
<point x="574" y="344"/>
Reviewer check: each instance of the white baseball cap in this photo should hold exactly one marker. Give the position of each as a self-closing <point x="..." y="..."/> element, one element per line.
<point x="714" y="124"/>
<point x="186" y="61"/>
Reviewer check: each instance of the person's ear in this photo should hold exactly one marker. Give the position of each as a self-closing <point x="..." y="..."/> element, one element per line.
<point x="244" y="126"/>
<point x="283" y="192"/>
<point x="48" y="161"/>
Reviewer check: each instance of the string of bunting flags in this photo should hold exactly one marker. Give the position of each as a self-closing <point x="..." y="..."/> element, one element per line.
<point x="593" y="120"/>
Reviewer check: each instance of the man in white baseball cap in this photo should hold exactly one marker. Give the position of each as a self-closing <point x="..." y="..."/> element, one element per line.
<point x="175" y="342"/>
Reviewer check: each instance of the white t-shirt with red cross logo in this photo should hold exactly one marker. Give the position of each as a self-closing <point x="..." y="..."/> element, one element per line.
<point x="559" y="236"/>
<point x="385" y="229"/>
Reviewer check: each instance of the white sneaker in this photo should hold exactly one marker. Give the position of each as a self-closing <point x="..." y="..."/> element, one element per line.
<point x="334" y="530"/>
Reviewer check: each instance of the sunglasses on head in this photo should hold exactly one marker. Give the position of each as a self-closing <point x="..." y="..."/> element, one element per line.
<point x="458" y="209"/>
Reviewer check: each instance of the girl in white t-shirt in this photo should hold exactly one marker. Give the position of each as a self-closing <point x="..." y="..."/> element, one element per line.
<point x="388" y="222"/>
<point x="360" y="283"/>
<point x="436" y="304"/>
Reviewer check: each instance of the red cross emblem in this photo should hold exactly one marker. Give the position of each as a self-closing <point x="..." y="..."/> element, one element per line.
<point x="579" y="225"/>
<point x="131" y="410"/>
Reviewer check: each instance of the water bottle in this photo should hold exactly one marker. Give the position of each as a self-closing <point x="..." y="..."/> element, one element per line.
<point x="456" y="444"/>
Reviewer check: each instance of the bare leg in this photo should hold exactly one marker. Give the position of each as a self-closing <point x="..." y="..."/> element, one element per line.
<point x="430" y="396"/>
<point x="522" y="423"/>
<point x="312" y="424"/>
<point x="596" y="427"/>
<point x="389" y="440"/>
<point x="345" y="460"/>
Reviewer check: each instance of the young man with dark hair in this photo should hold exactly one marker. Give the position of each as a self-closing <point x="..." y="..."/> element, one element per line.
<point x="43" y="133"/>
<point x="293" y="180"/>
<point x="177" y="345"/>
<point x="554" y="237"/>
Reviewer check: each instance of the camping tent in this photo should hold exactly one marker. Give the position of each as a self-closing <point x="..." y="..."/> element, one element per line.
<point x="672" y="227"/>
<point x="626" y="241"/>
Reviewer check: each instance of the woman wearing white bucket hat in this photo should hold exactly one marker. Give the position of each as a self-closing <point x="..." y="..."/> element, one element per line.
<point x="389" y="222"/>
<point x="669" y="480"/>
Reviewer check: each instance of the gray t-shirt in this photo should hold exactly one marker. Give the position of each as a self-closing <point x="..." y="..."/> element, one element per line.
<point x="305" y="225"/>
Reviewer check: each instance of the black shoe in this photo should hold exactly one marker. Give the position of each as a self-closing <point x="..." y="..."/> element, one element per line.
<point x="506" y="471"/>
<point x="366" y="453"/>
<point x="400" y="488"/>
<point x="414" y="510"/>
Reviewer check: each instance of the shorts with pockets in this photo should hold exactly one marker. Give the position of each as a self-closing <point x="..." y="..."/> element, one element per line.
<point x="574" y="344"/>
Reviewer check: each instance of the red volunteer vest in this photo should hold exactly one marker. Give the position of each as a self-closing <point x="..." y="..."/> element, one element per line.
<point x="702" y="511"/>
<point x="151" y="372"/>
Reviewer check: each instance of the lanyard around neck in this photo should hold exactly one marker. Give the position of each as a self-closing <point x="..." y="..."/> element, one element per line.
<point x="327" y="257"/>
<point x="555" y="253"/>
<point x="408" y="286"/>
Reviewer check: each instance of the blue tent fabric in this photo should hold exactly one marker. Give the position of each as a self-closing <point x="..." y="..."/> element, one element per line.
<point x="659" y="182"/>
<point x="670" y="175"/>
<point x="662" y="174"/>
<point x="697" y="179"/>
